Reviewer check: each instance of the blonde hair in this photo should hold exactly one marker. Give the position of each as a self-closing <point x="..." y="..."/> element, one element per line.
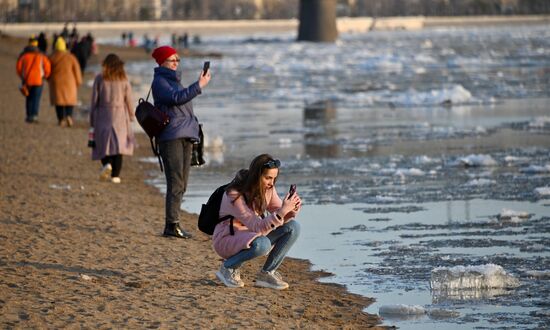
<point x="113" y="68"/>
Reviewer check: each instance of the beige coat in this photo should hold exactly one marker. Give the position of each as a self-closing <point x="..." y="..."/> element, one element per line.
<point x="64" y="79"/>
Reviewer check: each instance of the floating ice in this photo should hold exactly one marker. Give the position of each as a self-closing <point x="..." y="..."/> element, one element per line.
<point x="535" y="169"/>
<point x="542" y="191"/>
<point x="540" y="122"/>
<point x="439" y="314"/>
<point x="409" y="172"/>
<point x="479" y="182"/>
<point x="514" y="159"/>
<point x="421" y="160"/>
<point x="513" y="216"/>
<point x="456" y="94"/>
<point x="471" y="277"/>
<point x="539" y="274"/>
<point x="477" y="160"/>
<point x="401" y="310"/>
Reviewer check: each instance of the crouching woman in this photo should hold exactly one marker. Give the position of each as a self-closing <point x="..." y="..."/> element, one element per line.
<point x="262" y="224"/>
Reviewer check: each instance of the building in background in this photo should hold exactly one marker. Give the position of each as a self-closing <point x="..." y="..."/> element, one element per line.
<point x="130" y="10"/>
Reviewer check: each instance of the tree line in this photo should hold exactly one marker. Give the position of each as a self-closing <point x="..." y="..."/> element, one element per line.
<point x="131" y="10"/>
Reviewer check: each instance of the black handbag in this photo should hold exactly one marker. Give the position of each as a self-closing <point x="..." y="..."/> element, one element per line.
<point x="153" y="121"/>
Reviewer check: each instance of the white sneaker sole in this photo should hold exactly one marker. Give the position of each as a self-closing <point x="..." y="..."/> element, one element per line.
<point x="263" y="284"/>
<point x="227" y="284"/>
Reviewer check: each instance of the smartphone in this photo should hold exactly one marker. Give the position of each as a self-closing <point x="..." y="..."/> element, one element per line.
<point x="292" y="190"/>
<point x="205" y="67"/>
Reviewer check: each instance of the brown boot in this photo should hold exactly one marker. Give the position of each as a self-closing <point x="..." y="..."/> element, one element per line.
<point x="70" y="121"/>
<point x="63" y="122"/>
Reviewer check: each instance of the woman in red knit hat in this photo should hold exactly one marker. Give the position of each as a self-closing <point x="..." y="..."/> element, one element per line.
<point x="176" y="140"/>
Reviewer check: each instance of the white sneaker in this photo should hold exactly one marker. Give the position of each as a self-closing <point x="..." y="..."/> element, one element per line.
<point x="116" y="179"/>
<point x="272" y="280"/>
<point x="105" y="173"/>
<point x="230" y="277"/>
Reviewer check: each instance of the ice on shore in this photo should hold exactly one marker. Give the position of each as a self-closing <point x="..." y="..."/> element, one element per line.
<point x="401" y="310"/>
<point x="477" y="160"/>
<point x="488" y="276"/>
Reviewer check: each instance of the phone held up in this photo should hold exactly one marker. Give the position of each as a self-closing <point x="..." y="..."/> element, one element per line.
<point x="292" y="190"/>
<point x="205" y="67"/>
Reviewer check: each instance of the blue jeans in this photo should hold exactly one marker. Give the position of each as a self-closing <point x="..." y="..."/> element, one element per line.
<point x="281" y="239"/>
<point x="32" y="103"/>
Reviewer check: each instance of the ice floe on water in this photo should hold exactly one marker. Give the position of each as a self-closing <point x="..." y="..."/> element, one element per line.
<point x="402" y="311"/>
<point x="543" y="192"/>
<point x="476" y="160"/>
<point x="513" y="216"/>
<point x="489" y="276"/>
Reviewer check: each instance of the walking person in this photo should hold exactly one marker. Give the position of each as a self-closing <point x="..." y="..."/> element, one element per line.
<point x="33" y="67"/>
<point x="110" y="116"/>
<point x="64" y="82"/>
<point x="261" y="224"/>
<point x="176" y="140"/>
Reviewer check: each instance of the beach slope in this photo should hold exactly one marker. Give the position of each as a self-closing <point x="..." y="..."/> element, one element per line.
<point x="76" y="252"/>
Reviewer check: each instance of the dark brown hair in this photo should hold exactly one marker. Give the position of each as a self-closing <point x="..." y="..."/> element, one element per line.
<point x="247" y="183"/>
<point x="113" y="68"/>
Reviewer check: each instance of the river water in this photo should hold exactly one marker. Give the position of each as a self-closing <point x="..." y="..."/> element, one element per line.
<point x="412" y="150"/>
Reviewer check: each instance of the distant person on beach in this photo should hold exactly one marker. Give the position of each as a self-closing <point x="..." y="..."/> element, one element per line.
<point x="42" y="42"/>
<point x="33" y="67"/>
<point x="82" y="51"/>
<point x="64" y="82"/>
<point x="176" y="141"/>
<point x="110" y="116"/>
<point x="262" y="224"/>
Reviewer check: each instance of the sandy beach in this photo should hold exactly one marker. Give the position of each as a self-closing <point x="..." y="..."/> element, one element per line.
<point x="79" y="253"/>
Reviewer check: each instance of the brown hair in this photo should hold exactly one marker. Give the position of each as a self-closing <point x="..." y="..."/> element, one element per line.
<point x="248" y="183"/>
<point x="113" y="68"/>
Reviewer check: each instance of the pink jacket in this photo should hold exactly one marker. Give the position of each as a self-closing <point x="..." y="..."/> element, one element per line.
<point x="246" y="224"/>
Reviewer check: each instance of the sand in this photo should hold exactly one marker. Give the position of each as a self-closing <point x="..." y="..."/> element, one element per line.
<point x="79" y="253"/>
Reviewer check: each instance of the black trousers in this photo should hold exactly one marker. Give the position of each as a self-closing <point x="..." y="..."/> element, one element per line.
<point x="116" y="164"/>
<point x="63" y="111"/>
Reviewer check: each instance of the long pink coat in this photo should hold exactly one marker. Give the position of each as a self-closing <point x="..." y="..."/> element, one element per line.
<point x="246" y="224"/>
<point x="110" y="116"/>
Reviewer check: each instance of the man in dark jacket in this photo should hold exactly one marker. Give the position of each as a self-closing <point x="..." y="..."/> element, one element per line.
<point x="176" y="140"/>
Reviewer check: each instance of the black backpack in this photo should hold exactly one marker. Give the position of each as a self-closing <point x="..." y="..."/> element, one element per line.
<point x="210" y="212"/>
<point x="153" y="121"/>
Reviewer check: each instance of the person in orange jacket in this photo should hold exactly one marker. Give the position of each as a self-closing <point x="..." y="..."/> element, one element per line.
<point x="33" y="67"/>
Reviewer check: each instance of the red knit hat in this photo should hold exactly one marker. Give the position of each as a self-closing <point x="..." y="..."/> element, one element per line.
<point x="162" y="53"/>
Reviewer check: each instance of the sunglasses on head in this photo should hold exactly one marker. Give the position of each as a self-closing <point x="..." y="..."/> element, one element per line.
<point x="273" y="163"/>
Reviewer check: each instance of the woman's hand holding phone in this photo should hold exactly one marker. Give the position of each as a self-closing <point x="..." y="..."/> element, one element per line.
<point x="204" y="77"/>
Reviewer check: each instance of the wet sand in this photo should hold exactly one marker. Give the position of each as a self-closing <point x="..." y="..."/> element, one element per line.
<point x="76" y="252"/>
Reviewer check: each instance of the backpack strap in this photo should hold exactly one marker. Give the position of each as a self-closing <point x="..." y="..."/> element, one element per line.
<point x="155" y="147"/>
<point x="231" y="230"/>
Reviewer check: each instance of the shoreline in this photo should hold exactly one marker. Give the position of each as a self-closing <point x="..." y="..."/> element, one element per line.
<point x="229" y="27"/>
<point x="76" y="251"/>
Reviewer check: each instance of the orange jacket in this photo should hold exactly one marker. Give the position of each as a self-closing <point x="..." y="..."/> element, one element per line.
<point x="32" y="67"/>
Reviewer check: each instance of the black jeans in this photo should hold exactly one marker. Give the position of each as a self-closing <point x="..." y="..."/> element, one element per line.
<point x="176" y="157"/>
<point x="63" y="111"/>
<point x="116" y="164"/>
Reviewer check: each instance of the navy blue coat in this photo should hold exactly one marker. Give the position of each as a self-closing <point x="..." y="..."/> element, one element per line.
<point x="173" y="99"/>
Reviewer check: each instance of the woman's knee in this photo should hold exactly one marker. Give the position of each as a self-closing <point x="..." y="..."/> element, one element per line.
<point x="260" y="246"/>
<point x="293" y="226"/>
